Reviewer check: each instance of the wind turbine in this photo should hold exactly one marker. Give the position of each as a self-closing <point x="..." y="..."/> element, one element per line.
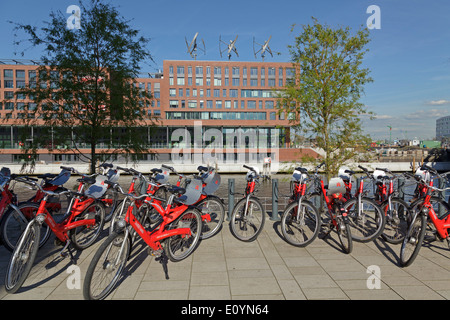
<point x="192" y="47"/>
<point x="264" y="48"/>
<point x="231" y="47"/>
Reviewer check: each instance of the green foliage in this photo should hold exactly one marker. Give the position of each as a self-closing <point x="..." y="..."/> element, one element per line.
<point x="323" y="100"/>
<point x="85" y="87"/>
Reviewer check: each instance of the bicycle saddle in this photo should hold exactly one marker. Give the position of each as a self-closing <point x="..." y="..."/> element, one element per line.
<point x="47" y="176"/>
<point x="178" y="190"/>
<point x="154" y="170"/>
<point x="90" y="180"/>
<point x="202" y="168"/>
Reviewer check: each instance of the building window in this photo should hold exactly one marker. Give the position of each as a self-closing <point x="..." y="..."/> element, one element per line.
<point x="273" y="116"/>
<point x="9" y="84"/>
<point x="8" y="73"/>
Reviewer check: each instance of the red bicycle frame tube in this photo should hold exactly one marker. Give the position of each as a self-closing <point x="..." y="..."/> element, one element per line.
<point x="442" y="225"/>
<point x="153" y="238"/>
<point x="7" y="197"/>
<point x="61" y="229"/>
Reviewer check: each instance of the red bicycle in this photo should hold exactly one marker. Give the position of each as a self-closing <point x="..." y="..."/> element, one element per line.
<point x="425" y="213"/>
<point x="17" y="216"/>
<point x="79" y="229"/>
<point x="366" y="219"/>
<point x="300" y="221"/>
<point x="174" y="237"/>
<point x="139" y="186"/>
<point x="248" y="215"/>
<point x="336" y="206"/>
<point x="212" y="207"/>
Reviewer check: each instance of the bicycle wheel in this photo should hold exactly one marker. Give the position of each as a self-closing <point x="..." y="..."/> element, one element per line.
<point x="247" y="222"/>
<point x="300" y="226"/>
<point x="366" y="219"/>
<point x="119" y="212"/>
<point x="13" y="225"/>
<point x="413" y="239"/>
<point x="106" y="266"/>
<point x="110" y="201"/>
<point x="22" y="258"/>
<point x="180" y="247"/>
<point x="213" y="210"/>
<point x="396" y="220"/>
<point x="345" y="235"/>
<point x="84" y="236"/>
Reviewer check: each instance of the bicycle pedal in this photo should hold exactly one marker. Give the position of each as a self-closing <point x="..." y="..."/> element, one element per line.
<point x="156" y="253"/>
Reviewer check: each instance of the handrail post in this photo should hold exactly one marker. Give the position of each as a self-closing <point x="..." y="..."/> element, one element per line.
<point x="275" y="216"/>
<point x="401" y="188"/>
<point x="230" y="197"/>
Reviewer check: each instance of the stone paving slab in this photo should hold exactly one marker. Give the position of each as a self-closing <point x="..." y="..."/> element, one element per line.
<point x="224" y="268"/>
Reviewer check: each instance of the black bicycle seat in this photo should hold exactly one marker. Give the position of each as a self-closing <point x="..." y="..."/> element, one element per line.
<point x="47" y="176"/>
<point x="156" y="170"/>
<point x="87" y="179"/>
<point x="178" y="190"/>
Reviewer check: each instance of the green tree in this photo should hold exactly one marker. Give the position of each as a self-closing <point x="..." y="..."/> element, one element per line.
<point x="322" y="100"/>
<point x="85" y="93"/>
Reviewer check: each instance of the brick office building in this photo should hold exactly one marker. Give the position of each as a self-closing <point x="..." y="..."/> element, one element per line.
<point x="201" y="98"/>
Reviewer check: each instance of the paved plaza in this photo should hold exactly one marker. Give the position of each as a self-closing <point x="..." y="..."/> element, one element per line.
<point x="224" y="268"/>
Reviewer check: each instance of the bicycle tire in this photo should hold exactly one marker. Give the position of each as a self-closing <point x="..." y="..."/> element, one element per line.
<point x="308" y="229"/>
<point x="179" y="247"/>
<point x="396" y="221"/>
<point x="413" y="240"/>
<point x="119" y="211"/>
<point x="215" y="208"/>
<point x="344" y="235"/>
<point x="240" y="222"/>
<point x="110" y="208"/>
<point x="17" y="273"/>
<point x="96" y="286"/>
<point x="12" y="227"/>
<point x="82" y="237"/>
<point x="370" y="224"/>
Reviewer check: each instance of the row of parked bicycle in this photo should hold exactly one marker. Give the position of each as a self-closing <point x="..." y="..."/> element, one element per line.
<point x="172" y="218"/>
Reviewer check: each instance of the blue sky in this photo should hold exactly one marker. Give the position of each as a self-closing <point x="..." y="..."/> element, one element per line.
<point x="409" y="56"/>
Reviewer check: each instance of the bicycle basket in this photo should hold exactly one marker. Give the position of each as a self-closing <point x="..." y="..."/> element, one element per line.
<point x="98" y="189"/>
<point x="379" y="175"/>
<point x="212" y="182"/>
<point x="113" y="175"/>
<point x="5" y="176"/>
<point x="193" y="192"/>
<point x="297" y="176"/>
<point x="61" y="178"/>
<point x="142" y="186"/>
<point x="423" y="174"/>
<point x="163" y="176"/>
<point x="344" y="175"/>
<point x="336" y="186"/>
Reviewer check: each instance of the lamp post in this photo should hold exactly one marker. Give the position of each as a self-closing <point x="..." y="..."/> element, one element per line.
<point x="390" y="132"/>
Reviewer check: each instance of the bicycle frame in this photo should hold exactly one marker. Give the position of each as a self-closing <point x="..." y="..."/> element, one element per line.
<point x="8" y="198"/>
<point x="153" y="237"/>
<point x="331" y="202"/>
<point x="61" y="229"/>
<point x="442" y="225"/>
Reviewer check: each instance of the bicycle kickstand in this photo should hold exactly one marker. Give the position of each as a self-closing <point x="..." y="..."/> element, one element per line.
<point x="163" y="260"/>
<point x="67" y="250"/>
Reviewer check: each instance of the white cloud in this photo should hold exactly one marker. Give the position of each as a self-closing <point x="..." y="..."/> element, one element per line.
<point x="383" y="117"/>
<point x="427" y="114"/>
<point x="438" y="102"/>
